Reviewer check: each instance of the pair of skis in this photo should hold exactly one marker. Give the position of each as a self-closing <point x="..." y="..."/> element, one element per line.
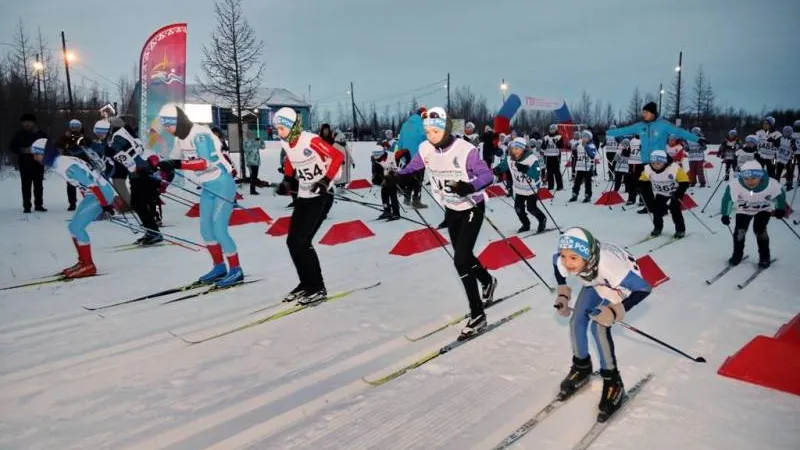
<point x="660" y="246"/>
<point x="272" y="317"/>
<point x="51" y="279"/>
<point x="744" y="283"/>
<point x="590" y="436"/>
<point x="453" y="344"/>
<point x="210" y="289"/>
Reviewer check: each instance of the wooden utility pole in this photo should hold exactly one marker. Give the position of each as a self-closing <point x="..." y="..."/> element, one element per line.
<point x="353" y="106"/>
<point x="66" y="69"/>
<point x="448" y="92"/>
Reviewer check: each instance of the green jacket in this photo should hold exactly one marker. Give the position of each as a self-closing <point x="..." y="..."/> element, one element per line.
<point x="252" y="155"/>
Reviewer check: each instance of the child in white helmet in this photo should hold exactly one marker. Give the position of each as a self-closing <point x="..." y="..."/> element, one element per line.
<point x="663" y="184"/>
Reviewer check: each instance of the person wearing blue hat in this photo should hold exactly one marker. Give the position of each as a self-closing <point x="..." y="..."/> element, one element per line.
<point x="612" y="284"/>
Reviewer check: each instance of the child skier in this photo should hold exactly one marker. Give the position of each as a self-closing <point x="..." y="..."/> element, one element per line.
<point x="552" y="157"/>
<point x="98" y="198"/>
<point x="611" y="148"/>
<point x="663" y="184"/>
<point x="218" y="194"/>
<point x="582" y="165"/>
<point x="611" y="285"/>
<point x="634" y="171"/>
<point x="768" y="139"/>
<point x="787" y="147"/>
<point x="383" y="164"/>
<point x="748" y="152"/>
<point x="523" y="166"/>
<point x="621" y="165"/>
<point x="697" y="159"/>
<point x="458" y="176"/>
<point x="754" y="195"/>
<point x="315" y="163"/>
<point x="727" y="152"/>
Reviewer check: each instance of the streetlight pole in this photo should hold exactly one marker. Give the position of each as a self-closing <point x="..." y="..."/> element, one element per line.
<point x="258" y="129"/>
<point x="503" y="88"/>
<point x="37" y="67"/>
<point x="660" y="95"/>
<point x="678" y="69"/>
<point x="66" y="69"/>
<point x="448" y="92"/>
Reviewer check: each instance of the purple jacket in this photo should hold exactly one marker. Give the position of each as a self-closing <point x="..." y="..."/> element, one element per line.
<point x="479" y="173"/>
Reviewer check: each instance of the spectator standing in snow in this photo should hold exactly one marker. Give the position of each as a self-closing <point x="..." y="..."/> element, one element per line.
<point x="252" y="158"/>
<point x="652" y="131"/>
<point x="31" y="172"/>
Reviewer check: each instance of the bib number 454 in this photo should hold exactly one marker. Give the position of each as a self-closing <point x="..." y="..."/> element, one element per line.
<point x="309" y="173"/>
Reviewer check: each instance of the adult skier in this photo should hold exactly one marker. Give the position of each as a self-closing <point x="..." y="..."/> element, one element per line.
<point x="611" y="285"/>
<point x="552" y="158"/>
<point x="98" y="198"/>
<point x="458" y="177"/>
<point x="315" y="163"/>
<point x="218" y="194"/>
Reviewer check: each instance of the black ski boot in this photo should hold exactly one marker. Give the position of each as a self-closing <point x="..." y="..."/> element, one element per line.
<point x="574" y="198"/>
<point x="151" y="239"/>
<point x="579" y="374"/>
<point x="385" y="215"/>
<point x="735" y="259"/>
<point x="763" y="250"/>
<point x="313" y="295"/>
<point x="587" y="199"/>
<point x="542" y="225"/>
<point x="656" y="232"/>
<point x="679" y="234"/>
<point x="393" y="216"/>
<point x="613" y="394"/>
<point x="295" y="293"/>
<point x="487" y="291"/>
<point x="474" y="327"/>
<point x="524" y="228"/>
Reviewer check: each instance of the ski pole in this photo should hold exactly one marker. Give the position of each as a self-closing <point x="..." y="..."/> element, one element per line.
<point x="701" y="221"/>
<point x="698" y="359"/>
<point x="790" y="228"/>
<point x="234" y="203"/>
<point x="502" y="236"/>
<point x="712" y="196"/>
<point x="547" y="211"/>
<point x="168" y="237"/>
<point x="177" y="199"/>
<point x="374" y="206"/>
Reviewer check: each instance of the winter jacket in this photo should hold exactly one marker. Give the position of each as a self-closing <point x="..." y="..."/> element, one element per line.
<point x="653" y="135"/>
<point x="412" y="134"/>
<point x="252" y="153"/>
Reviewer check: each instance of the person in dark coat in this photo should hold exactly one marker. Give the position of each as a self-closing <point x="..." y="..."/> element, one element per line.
<point x="31" y="172"/>
<point x="72" y="143"/>
<point x="326" y="133"/>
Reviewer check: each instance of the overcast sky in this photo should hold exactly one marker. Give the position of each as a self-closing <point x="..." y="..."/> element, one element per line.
<point x="555" y="48"/>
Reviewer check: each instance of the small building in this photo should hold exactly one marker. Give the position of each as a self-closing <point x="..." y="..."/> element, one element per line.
<point x="204" y="107"/>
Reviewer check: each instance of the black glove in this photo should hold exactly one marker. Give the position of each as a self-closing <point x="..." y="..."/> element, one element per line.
<point x="169" y="165"/>
<point x="280" y="169"/>
<point x="108" y="209"/>
<point x="780" y="213"/>
<point x="522" y="167"/>
<point x="321" y="186"/>
<point x="461" y="188"/>
<point x="726" y="220"/>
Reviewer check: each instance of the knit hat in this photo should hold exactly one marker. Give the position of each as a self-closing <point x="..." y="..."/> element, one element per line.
<point x="651" y="107"/>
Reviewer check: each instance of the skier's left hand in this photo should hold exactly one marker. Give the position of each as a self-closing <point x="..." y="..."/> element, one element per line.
<point x="461" y="188"/>
<point x="780" y="213"/>
<point x="321" y="186"/>
<point x="606" y="315"/>
<point x="522" y="167"/>
<point x="108" y="212"/>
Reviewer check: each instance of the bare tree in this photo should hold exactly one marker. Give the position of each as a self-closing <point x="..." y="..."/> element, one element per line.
<point x="634" y="106"/>
<point x="22" y="52"/>
<point x="583" y="110"/>
<point x="597" y="116"/>
<point x="232" y="63"/>
<point x="608" y="116"/>
<point x="698" y="91"/>
<point x="125" y="88"/>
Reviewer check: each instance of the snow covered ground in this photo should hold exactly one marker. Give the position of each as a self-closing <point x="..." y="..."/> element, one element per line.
<point x="72" y="379"/>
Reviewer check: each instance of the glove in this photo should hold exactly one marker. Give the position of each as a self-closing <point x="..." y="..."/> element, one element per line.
<point x="461" y="188"/>
<point x="780" y="213"/>
<point x="108" y="209"/>
<point x="522" y="167"/>
<point x="562" y="301"/>
<point x="169" y="165"/>
<point x="321" y="186"/>
<point x="280" y="169"/>
<point x="354" y="165"/>
<point x="389" y="180"/>
<point x="726" y="220"/>
<point x="608" y="314"/>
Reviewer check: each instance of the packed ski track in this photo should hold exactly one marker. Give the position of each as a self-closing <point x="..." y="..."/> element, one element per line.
<point x="119" y="378"/>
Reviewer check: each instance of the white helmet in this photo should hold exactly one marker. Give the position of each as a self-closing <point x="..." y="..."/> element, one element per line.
<point x="469" y="125"/>
<point x="101" y="127"/>
<point x="518" y="143"/>
<point x="285" y="117"/>
<point x="582" y="242"/>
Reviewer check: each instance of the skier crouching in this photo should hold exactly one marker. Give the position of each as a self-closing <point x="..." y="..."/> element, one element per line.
<point x="612" y="285"/>
<point x="98" y="198"/>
